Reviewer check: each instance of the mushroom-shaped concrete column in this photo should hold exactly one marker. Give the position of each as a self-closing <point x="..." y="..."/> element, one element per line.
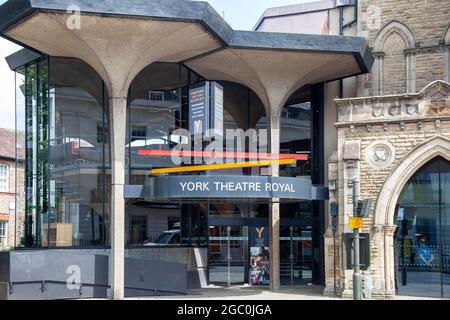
<point x="118" y="39"/>
<point x="274" y="66"/>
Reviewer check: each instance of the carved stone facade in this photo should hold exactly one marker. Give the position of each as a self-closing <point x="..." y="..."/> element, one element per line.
<point x="391" y="133"/>
<point x="399" y="120"/>
<point x="410" y="41"/>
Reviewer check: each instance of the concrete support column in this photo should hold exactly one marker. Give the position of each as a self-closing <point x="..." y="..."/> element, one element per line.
<point x="389" y="260"/>
<point x="274" y="208"/>
<point x="118" y="107"/>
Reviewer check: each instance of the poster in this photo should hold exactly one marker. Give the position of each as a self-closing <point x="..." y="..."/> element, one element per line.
<point x="259" y="257"/>
<point x="206" y="108"/>
<point x="217" y="109"/>
<point x="199" y="109"/>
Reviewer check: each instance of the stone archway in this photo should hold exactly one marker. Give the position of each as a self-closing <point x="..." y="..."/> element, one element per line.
<point x="408" y="38"/>
<point x="389" y="195"/>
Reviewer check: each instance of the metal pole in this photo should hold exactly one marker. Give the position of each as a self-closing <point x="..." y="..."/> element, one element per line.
<point x="334" y="263"/>
<point x="291" y="255"/>
<point x="356" y="262"/>
<point x="229" y="256"/>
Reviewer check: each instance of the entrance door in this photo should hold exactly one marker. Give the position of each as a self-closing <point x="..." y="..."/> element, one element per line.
<point x="296" y="249"/>
<point x="423" y="234"/>
<point x="228" y="255"/>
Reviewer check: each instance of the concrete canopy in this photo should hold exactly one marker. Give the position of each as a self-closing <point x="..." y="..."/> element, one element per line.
<point x="118" y="39"/>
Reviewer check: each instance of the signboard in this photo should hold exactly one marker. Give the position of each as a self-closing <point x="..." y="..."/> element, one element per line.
<point x="206" y="108"/>
<point x="259" y="256"/>
<point x="355" y="223"/>
<point x="199" y="105"/>
<point x="217" y="109"/>
<point x="166" y="188"/>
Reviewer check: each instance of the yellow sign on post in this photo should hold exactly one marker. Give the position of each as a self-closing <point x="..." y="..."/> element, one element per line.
<point x="355" y="223"/>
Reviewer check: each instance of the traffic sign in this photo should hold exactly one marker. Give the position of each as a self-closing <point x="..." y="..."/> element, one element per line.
<point x="355" y="223"/>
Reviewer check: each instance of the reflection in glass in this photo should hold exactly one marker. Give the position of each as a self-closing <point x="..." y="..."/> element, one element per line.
<point x="296" y="122"/>
<point x="228" y="254"/>
<point x="20" y="240"/>
<point x="67" y="154"/>
<point x="32" y="233"/>
<point x="423" y="234"/>
<point x="296" y="255"/>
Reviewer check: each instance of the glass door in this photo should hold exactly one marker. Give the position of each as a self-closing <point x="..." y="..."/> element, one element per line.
<point x="228" y="255"/>
<point x="295" y="255"/>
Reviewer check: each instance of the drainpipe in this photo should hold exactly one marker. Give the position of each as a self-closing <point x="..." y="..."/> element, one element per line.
<point x="342" y="27"/>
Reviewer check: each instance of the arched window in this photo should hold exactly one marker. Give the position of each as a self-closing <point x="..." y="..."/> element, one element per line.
<point x="423" y="233"/>
<point x="446" y="41"/>
<point x="394" y="73"/>
<point x="394" y="68"/>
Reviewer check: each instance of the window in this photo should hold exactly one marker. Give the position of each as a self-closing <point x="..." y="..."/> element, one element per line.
<point x="156" y="96"/>
<point x="138" y="229"/>
<point x="3" y="233"/>
<point x="423" y="233"/>
<point x="4" y="178"/>
<point x="138" y="132"/>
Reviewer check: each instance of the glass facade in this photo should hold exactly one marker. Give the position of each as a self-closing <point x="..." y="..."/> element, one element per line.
<point x="67" y="166"/>
<point x="62" y="110"/>
<point x="423" y="234"/>
<point x="296" y="131"/>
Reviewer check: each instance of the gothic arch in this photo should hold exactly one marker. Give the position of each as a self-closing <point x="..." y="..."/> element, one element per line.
<point x="446" y="36"/>
<point x="394" y="27"/>
<point x="387" y="200"/>
<point x="407" y="35"/>
<point x="446" y="41"/>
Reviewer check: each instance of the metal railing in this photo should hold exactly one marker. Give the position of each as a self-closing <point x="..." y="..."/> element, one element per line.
<point x="80" y="286"/>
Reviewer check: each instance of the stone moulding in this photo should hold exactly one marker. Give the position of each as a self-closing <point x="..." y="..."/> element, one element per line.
<point x="431" y="102"/>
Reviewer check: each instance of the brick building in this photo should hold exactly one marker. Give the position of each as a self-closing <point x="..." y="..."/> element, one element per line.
<point x="8" y="188"/>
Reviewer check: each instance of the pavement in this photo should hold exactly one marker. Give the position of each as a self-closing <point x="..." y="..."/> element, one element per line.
<point x="261" y="293"/>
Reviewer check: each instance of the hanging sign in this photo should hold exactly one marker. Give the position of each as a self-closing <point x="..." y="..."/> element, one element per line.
<point x="199" y="105"/>
<point x="206" y="108"/>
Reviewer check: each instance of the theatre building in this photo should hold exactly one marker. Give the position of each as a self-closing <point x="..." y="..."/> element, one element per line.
<point x="168" y="148"/>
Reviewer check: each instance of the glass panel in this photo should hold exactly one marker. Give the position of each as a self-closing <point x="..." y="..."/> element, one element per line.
<point x="423" y="237"/>
<point x="296" y="121"/>
<point x="20" y="159"/>
<point x="139" y="229"/>
<point x="79" y="174"/>
<point x="194" y="225"/>
<point x="228" y="210"/>
<point x="227" y="254"/>
<point x="445" y="214"/>
<point x="418" y="251"/>
<point x="32" y="233"/>
<point x="423" y="188"/>
<point x="43" y="151"/>
<point x="296" y="254"/>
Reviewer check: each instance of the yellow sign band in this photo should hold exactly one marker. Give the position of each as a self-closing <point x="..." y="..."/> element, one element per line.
<point x="262" y="163"/>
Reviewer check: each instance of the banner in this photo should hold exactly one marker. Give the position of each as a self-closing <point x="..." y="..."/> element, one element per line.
<point x="259" y="256"/>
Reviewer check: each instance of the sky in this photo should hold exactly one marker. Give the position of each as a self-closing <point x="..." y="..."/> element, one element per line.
<point x="240" y="14"/>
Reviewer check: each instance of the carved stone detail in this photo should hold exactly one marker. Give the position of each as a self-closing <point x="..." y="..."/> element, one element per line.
<point x="380" y="154"/>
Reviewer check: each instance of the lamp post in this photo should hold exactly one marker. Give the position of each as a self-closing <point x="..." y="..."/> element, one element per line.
<point x="356" y="251"/>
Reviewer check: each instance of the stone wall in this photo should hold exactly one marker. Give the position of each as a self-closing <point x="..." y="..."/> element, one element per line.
<point x="410" y="40"/>
<point x="375" y="136"/>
